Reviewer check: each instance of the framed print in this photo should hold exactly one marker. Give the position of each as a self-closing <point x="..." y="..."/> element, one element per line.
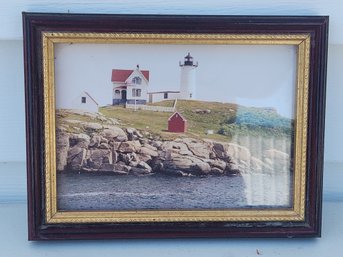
<point x="150" y="126"/>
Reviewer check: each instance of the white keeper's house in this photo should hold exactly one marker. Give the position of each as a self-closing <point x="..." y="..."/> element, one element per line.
<point x="130" y="86"/>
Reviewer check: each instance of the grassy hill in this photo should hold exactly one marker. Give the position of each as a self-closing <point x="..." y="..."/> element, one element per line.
<point x="224" y="119"/>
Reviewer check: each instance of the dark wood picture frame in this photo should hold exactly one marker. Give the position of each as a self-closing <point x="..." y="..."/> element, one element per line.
<point x="40" y="29"/>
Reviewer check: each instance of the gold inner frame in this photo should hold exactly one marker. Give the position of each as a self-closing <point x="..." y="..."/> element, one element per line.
<point x="295" y="213"/>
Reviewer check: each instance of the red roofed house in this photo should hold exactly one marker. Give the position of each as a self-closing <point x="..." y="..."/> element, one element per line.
<point x="177" y="123"/>
<point x="130" y="86"/>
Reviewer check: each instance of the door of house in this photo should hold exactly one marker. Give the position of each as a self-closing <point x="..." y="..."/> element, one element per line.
<point x="123" y="95"/>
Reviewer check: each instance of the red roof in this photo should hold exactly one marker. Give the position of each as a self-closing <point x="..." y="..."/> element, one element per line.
<point x="179" y="115"/>
<point x="122" y="75"/>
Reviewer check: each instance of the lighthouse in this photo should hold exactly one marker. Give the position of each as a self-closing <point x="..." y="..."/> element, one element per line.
<point x="187" y="82"/>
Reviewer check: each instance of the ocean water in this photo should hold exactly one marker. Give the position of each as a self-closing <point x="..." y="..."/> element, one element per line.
<point x="92" y="191"/>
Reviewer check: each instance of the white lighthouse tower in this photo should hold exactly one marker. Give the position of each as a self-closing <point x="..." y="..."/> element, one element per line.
<point x="187" y="83"/>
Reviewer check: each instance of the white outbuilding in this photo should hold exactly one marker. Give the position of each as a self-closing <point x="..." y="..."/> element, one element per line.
<point x="163" y="95"/>
<point x="85" y="102"/>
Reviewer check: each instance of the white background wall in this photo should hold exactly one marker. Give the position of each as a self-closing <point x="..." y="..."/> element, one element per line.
<point x="12" y="133"/>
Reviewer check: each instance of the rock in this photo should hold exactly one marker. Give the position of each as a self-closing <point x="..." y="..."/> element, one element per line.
<point x="80" y="140"/>
<point x="104" y="146"/>
<point x="185" y="152"/>
<point x="124" y="158"/>
<point x="238" y="152"/>
<point x="158" y="166"/>
<point x="106" y="167"/>
<point x="202" y="167"/>
<point x="115" y="145"/>
<point x="91" y="126"/>
<point x="217" y="164"/>
<point x="220" y="150"/>
<point x="139" y="171"/>
<point x="121" y="167"/>
<point x="213" y="155"/>
<point x="138" y="134"/>
<point x="268" y="162"/>
<point x="156" y="144"/>
<point x="144" y="165"/>
<point x="95" y="141"/>
<point x="98" y="157"/>
<point x="275" y="154"/>
<point x="198" y="148"/>
<point x="256" y="164"/>
<point x="178" y="163"/>
<point x="173" y="146"/>
<point x="113" y="132"/>
<point x="278" y="161"/>
<point x="113" y="121"/>
<point x="129" y="146"/>
<point x="103" y="140"/>
<point x="188" y="164"/>
<point x="61" y="128"/>
<point x="148" y="151"/>
<point x="133" y="164"/>
<point x="216" y="171"/>
<point x="114" y="169"/>
<point x="120" y="172"/>
<point x="80" y="112"/>
<point x="202" y="111"/>
<point x="177" y="173"/>
<point x="62" y="147"/>
<point x="128" y="157"/>
<point x="76" y="157"/>
<point x="129" y="132"/>
<point x="121" y="138"/>
<point x="101" y="118"/>
<point x="144" y="141"/>
<point x="144" y="157"/>
<point x="115" y="157"/>
<point x="72" y="121"/>
<point x="153" y="148"/>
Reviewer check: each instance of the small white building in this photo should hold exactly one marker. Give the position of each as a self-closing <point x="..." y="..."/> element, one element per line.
<point x="163" y="95"/>
<point x="130" y="86"/>
<point x="85" y="102"/>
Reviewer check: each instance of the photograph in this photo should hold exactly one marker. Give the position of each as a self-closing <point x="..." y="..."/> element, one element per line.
<point x="174" y="126"/>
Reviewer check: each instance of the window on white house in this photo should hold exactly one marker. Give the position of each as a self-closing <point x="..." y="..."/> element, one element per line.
<point x="165" y="96"/>
<point x="136" y="92"/>
<point x="83" y="99"/>
<point x="117" y="91"/>
<point x="137" y="80"/>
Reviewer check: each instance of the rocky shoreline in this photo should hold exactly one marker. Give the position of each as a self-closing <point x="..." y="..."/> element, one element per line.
<point x="107" y="148"/>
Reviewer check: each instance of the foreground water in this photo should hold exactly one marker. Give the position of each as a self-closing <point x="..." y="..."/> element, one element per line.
<point x="91" y="191"/>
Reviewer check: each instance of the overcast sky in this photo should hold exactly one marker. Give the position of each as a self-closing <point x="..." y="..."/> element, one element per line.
<point x="261" y="76"/>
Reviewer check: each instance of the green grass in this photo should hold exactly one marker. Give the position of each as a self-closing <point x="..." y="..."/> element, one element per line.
<point x="152" y="122"/>
<point x="225" y="119"/>
<point x="157" y="122"/>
